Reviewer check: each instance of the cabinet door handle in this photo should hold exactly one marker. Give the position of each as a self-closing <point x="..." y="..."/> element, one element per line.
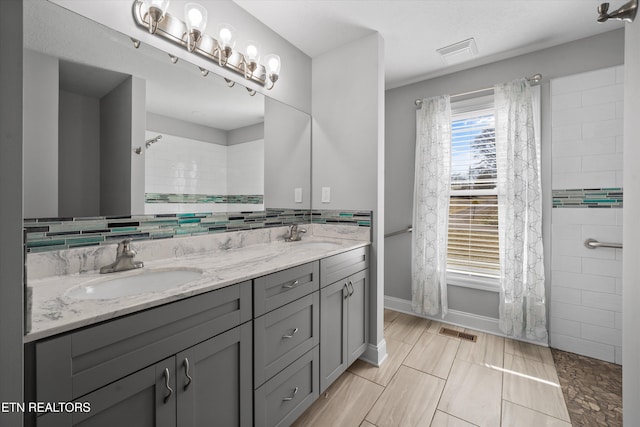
<point x="185" y="363"/>
<point x="166" y="384"/>
<point x="291" y="285"/>
<point x="286" y="399"/>
<point x="352" y="289"/>
<point x="345" y="288"/>
<point x="293" y="332"/>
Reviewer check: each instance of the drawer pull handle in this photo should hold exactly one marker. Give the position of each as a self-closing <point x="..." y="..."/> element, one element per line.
<point x="166" y="384"/>
<point x="345" y="288"/>
<point x="293" y="332"/>
<point x="185" y="363"/>
<point x="352" y="289"/>
<point x="286" y="399"/>
<point x="291" y="285"/>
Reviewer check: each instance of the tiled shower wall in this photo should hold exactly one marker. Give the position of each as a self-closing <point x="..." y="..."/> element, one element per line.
<point x="586" y="284"/>
<point x="177" y="168"/>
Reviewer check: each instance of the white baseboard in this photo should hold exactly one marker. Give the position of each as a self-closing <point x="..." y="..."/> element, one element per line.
<point x="457" y="318"/>
<point x="375" y="354"/>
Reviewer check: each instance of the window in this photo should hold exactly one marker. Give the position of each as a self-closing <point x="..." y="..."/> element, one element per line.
<point x="473" y="249"/>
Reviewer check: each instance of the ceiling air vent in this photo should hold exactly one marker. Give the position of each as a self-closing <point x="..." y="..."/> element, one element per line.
<point x="459" y="52"/>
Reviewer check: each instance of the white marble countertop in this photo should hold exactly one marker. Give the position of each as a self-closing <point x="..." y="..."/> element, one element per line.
<point x="53" y="311"/>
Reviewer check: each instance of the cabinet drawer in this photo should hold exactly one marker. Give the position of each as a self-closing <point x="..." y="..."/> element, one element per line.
<point x="284" y="397"/>
<point x="278" y="289"/>
<point x="339" y="266"/>
<point x="285" y="334"/>
<point x="76" y="363"/>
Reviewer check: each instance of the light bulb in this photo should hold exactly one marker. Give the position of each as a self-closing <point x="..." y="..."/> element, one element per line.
<point x="163" y="5"/>
<point x="196" y="17"/>
<point x="273" y="64"/>
<point x="252" y="51"/>
<point x="225" y="35"/>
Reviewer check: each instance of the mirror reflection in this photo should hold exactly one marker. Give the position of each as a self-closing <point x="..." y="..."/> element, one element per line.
<point x="134" y="133"/>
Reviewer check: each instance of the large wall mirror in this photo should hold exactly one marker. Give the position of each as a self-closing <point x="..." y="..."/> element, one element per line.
<point x="114" y="130"/>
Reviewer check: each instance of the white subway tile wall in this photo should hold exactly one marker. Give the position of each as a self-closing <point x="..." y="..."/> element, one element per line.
<point x="177" y="165"/>
<point x="586" y="284"/>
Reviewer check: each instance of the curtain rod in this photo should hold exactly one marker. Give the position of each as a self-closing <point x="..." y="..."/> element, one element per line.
<point x="534" y="80"/>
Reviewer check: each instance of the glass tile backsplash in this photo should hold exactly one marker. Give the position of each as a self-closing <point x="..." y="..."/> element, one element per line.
<point x="253" y="199"/>
<point x="588" y="198"/>
<point x="47" y="234"/>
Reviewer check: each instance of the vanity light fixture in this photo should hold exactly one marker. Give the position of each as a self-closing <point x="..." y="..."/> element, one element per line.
<point x="196" y="18"/>
<point x="204" y="71"/>
<point x="152" y="15"/>
<point x="156" y="10"/>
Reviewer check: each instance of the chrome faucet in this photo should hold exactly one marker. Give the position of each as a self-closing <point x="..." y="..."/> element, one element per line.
<point x="124" y="259"/>
<point x="294" y="233"/>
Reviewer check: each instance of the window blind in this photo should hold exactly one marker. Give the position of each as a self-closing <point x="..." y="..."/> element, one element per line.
<point x="473" y="246"/>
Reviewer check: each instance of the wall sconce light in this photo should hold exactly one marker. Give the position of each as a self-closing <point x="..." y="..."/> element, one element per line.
<point x="196" y="19"/>
<point x="156" y="10"/>
<point x="152" y="15"/>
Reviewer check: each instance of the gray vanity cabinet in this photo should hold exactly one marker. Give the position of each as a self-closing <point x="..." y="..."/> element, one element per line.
<point x="137" y="365"/>
<point x="344" y="313"/>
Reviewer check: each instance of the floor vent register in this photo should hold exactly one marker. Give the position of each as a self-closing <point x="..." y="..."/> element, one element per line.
<point x="458" y="334"/>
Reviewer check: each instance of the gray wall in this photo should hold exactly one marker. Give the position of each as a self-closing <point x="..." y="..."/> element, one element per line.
<point x="120" y="129"/>
<point x="631" y="253"/>
<point x="287" y="156"/>
<point x="294" y="85"/>
<point x="11" y="262"/>
<point x="348" y="150"/>
<point x="172" y="126"/>
<point x="40" y="135"/>
<point x="78" y="155"/>
<point x="246" y="134"/>
<point x="596" y="52"/>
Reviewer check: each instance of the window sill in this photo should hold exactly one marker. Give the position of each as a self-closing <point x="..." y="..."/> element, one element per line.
<point x="467" y="281"/>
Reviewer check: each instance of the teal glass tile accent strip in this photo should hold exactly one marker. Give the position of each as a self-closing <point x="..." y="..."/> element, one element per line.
<point x="48" y="234"/>
<point x="588" y="198"/>
<point x="249" y="199"/>
<point x="355" y="218"/>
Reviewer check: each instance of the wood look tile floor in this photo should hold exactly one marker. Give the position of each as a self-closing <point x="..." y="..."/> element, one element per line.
<point x="436" y="380"/>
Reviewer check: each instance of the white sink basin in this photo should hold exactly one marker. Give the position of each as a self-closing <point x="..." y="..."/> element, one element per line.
<point x="140" y="282"/>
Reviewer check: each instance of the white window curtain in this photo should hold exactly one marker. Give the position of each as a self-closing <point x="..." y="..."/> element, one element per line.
<point x="431" y="206"/>
<point x="522" y="292"/>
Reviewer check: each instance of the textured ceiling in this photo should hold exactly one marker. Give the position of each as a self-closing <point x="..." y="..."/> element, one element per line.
<point x="413" y="29"/>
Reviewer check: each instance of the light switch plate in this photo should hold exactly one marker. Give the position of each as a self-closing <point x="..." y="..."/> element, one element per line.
<point x="298" y="194"/>
<point x="326" y="194"/>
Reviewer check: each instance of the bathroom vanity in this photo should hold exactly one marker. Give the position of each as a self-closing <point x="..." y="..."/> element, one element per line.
<point x="254" y="347"/>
